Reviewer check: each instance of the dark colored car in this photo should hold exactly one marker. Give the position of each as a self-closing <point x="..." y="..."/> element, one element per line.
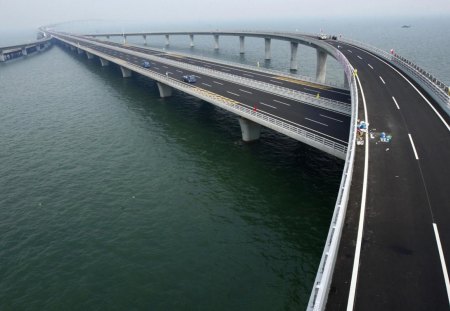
<point x="189" y="79"/>
<point x="146" y="64"/>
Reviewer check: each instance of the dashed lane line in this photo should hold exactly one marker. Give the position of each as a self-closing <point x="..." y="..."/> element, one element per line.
<point x="328" y="117"/>
<point x="316" y="121"/>
<point x="209" y="85"/>
<point x="280" y="102"/>
<point x="233" y="93"/>
<point x="414" y="147"/>
<point x="371" y="67"/>
<point x="267" y="105"/>
<point x="398" y="107"/>
<point x="245" y="91"/>
<point x="217" y="83"/>
<point x="382" y="80"/>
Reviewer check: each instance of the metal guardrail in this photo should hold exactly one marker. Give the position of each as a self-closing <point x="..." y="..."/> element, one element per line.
<point x="321" y="288"/>
<point x="266" y="87"/>
<point x="440" y="90"/>
<point x="281" y="126"/>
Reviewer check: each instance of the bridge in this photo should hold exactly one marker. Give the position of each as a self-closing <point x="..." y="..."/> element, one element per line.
<point x="387" y="242"/>
<point x="20" y="50"/>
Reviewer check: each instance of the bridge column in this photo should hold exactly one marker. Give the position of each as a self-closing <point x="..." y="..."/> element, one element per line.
<point x="294" y="48"/>
<point x="216" y="42"/>
<point x="89" y="55"/>
<point x="167" y="40"/>
<point x="321" y="66"/>
<point x="107" y="37"/>
<point x="192" y="40"/>
<point x="267" y="48"/>
<point x="250" y="130"/>
<point x="104" y="62"/>
<point x="24" y="51"/>
<point x="126" y="73"/>
<point x="2" y="57"/>
<point x="80" y="51"/>
<point x="164" y="90"/>
<point x="145" y="39"/>
<point x="242" y="47"/>
<point x="72" y="48"/>
<point x="124" y="39"/>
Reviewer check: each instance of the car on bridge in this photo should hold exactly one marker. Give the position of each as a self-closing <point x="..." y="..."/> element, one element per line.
<point x="190" y="78"/>
<point x="322" y="36"/>
<point x="146" y="64"/>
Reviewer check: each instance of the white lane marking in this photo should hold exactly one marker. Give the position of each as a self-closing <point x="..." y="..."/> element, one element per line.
<point x="245" y="91"/>
<point x="276" y="81"/>
<point x="280" y="102"/>
<point x="179" y="71"/>
<point x="245" y="74"/>
<point x="352" y="292"/>
<point x="155" y="68"/>
<point x="217" y="83"/>
<point x="169" y="73"/>
<point x="233" y="93"/>
<point x="316" y="121"/>
<point x="322" y="115"/>
<point x="359" y="57"/>
<point x="198" y="77"/>
<point x="207" y="84"/>
<point x="441" y="256"/>
<point x="382" y="80"/>
<point x="414" y="147"/>
<point x="350" y="51"/>
<point x="370" y="66"/>
<point x="393" y="98"/>
<point x="268" y="105"/>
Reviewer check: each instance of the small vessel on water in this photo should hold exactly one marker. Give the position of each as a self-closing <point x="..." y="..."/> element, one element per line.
<point x="406" y="26"/>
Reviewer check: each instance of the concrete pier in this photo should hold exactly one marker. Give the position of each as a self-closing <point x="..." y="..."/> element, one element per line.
<point x="191" y="37"/>
<point x="241" y="44"/>
<point x="145" y="39"/>
<point x="104" y="62"/>
<point x="321" y="65"/>
<point x="124" y="39"/>
<point x="294" y="48"/>
<point x="126" y="73"/>
<point x="216" y="42"/>
<point x="251" y="131"/>
<point x="24" y="51"/>
<point x="267" y="43"/>
<point x="164" y="90"/>
<point x="89" y="55"/>
<point x="167" y="40"/>
<point x="80" y="51"/>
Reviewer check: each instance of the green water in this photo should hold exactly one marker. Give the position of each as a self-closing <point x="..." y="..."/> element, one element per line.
<point x="115" y="199"/>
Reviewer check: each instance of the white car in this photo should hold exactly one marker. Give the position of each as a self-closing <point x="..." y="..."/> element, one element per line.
<point x="323" y="36"/>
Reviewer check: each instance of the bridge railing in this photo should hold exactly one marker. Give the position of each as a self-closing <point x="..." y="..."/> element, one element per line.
<point x="325" y="271"/>
<point x="437" y="89"/>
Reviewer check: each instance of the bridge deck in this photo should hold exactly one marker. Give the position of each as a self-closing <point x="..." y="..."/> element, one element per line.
<point x="400" y="266"/>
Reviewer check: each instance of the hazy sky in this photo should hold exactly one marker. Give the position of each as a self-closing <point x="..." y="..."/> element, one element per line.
<point x="27" y="13"/>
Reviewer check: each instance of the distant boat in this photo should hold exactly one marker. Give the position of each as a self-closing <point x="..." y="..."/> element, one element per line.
<point x="406" y="26"/>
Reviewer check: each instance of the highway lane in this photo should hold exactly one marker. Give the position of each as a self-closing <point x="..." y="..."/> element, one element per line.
<point x="326" y="123"/>
<point x="291" y="83"/>
<point x="400" y="265"/>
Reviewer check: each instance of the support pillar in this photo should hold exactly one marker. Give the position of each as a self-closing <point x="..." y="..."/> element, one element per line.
<point x="80" y="51"/>
<point x="216" y="42"/>
<point x="321" y="65"/>
<point x="192" y="40"/>
<point x="164" y="90"/>
<point x="250" y="130"/>
<point x="89" y="55"/>
<point x="24" y="51"/>
<point x="104" y="62"/>
<point x="167" y="40"/>
<point x="72" y="48"/>
<point x="294" y="48"/>
<point x="241" y="44"/>
<point x="267" y="45"/>
<point x="107" y="37"/>
<point x="124" y="39"/>
<point x="126" y="73"/>
<point x="145" y="39"/>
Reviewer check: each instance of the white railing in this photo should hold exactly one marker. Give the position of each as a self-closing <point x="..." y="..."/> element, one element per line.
<point x="321" y="288"/>
<point x="437" y="89"/>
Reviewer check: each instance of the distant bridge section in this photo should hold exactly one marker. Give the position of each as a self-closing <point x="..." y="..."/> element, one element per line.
<point x="16" y="51"/>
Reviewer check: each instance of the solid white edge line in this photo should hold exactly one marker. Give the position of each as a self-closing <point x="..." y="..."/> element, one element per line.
<point x="414" y="147"/>
<point x="441" y="256"/>
<point x="417" y="90"/>
<point x="352" y="292"/>
<point x="382" y="80"/>
<point x="393" y="98"/>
